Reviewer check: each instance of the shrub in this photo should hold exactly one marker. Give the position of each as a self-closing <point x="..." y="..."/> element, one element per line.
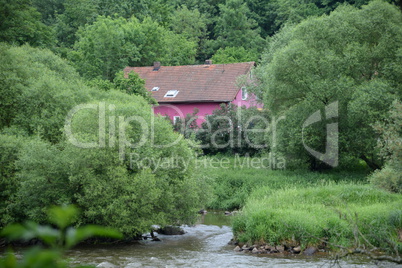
<point x="390" y="144"/>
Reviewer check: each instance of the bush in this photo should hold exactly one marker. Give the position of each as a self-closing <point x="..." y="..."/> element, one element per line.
<point x="36" y="102"/>
<point x="390" y="144"/>
<point x="114" y="185"/>
<point x="10" y="147"/>
<point x="229" y="130"/>
<point x="103" y="151"/>
<point x="388" y="178"/>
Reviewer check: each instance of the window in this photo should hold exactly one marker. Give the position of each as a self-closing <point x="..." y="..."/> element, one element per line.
<point x="176" y="119"/>
<point x="244" y="93"/>
<point x="155" y="89"/>
<point x="171" y="93"/>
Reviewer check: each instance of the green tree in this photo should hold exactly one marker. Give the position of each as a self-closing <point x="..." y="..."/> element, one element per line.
<point x="132" y="84"/>
<point x="36" y="102"/>
<point x="13" y="80"/>
<point x="20" y="23"/>
<point x="209" y="8"/>
<point x="105" y="47"/>
<point x="228" y="130"/>
<point x="234" y="54"/>
<point x="235" y="28"/>
<point x="127" y="194"/>
<point x="49" y="9"/>
<point x="349" y="56"/>
<point x="10" y="147"/>
<point x="192" y="25"/>
<point x="124" y="177"/>
<point x="109" y="45"/>
<point x="159" y="10"/>
<point x="390" y="145"/>
<point x="76" y="14"/>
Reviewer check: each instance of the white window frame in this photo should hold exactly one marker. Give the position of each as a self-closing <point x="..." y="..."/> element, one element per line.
<point x="244" y="93"/>
<point x="171" y="94"/>
<point x="176" y="119"/>
<point x="155" y="89"/>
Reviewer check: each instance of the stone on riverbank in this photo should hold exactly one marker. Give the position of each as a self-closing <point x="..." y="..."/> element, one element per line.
<point x="296" y="250"/>
<point x="255" y="251"/>
<point x="310" y="251"/>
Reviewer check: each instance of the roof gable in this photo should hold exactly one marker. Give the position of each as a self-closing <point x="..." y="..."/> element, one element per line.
<point x="195" y="83"/>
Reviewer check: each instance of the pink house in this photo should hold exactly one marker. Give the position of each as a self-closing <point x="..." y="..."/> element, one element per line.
<point x="180" y="89"/>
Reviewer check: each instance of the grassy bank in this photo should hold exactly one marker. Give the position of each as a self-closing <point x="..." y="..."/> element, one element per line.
<point x="306" y="208"/>
<point x="232" y="180"/>
<point x="342" y="214"/>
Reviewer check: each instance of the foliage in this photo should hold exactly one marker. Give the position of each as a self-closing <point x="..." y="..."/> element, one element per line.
<point x="132" y="84"/>
<point x="192" y="25"/>
<point x="126" y="169"/>
<point x="110" y="44"/>
<point x="36" y="102"/>
<point x="230" y="129"/>
<point x="309" y="215"/>
<point x="58" y="240"/>
<point x="10" y="147"/>
<point x="20" y="24"/>
<point x="105" y="47"/>
<point x="99" y="182"/>
<point x="49" y="9"/>
<point x="390" y="144"/>
<point x="75" y="14"/>
<point x="187" y="126"/>
<point x="159" y="10"/>
<point x="233" y="55"/>
<point x="236" y="178"/>
<point x="209" y="23"/>
<point x="234" y="28"/>
<point x="339" y="60"/>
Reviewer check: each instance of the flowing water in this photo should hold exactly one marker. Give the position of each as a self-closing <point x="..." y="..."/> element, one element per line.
<point x="203" y="245"/>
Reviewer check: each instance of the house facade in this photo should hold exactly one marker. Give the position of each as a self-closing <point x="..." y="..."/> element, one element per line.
<point x="180" y="89"/>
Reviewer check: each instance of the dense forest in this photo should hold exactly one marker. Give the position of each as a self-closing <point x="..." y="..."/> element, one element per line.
<point x="59" y="54"/>
<point x="100" y="37"/>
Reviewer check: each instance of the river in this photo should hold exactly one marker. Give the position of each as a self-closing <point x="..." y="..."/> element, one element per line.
<point x="203" y="245"/>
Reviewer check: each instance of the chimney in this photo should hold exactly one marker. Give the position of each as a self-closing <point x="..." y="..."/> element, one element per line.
<point x="208" y="62"/>
<point x="157" y="65"/>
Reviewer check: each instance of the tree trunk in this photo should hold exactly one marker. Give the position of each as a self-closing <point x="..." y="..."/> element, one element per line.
<point x="370" y="163"/>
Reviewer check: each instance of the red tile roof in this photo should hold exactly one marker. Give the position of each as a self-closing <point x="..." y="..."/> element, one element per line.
<point x="195" y="83"/>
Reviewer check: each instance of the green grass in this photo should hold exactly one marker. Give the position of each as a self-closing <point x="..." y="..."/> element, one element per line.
<point x="232" y="184"/>
<point x="303" y="207"/>
<point x="333" y="211"/>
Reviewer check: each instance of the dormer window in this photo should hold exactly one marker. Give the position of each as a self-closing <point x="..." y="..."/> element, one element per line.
<point x="171" y="93"/>
<point x="155" y="89"/>
<point x="244" y="93"/>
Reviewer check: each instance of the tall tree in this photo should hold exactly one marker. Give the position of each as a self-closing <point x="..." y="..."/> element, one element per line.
<point x="109" y="45"/>
<point x="76" y="14"/>
<point x="234" y="54"/>
<point x="158" y="10"/>
<point x="49" y="9"/>
<point x="351" y="56"/>
<point x="21" y="23"/>
<point x="235" y="28"/>
<point x="192" y="25"/>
